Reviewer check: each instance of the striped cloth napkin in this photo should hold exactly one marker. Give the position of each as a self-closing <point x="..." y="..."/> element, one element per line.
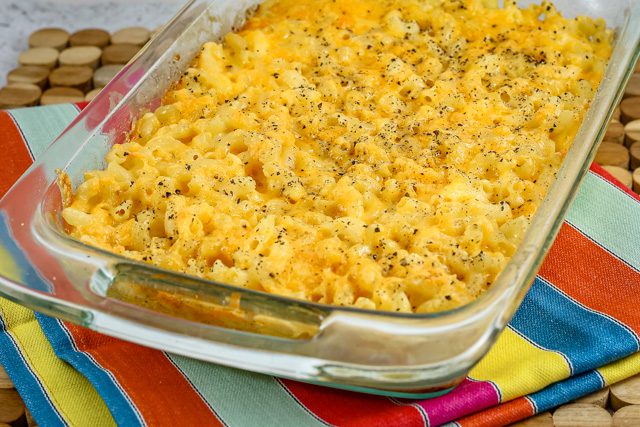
<point x="577" y="330"/>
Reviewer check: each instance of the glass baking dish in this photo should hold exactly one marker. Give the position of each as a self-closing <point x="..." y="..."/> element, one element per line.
<point x="378" y="352"/>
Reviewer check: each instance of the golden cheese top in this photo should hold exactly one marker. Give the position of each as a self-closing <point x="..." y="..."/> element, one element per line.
<point x="383" y="154"/>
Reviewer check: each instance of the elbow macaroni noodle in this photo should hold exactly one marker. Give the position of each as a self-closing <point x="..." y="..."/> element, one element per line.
<point x="382" y="154"/>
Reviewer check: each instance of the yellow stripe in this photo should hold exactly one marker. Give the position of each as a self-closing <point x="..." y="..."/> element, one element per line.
<point x="63" y="384"/>
<point x="512" y="353"/>
<point x="621" y="369"/>
<point x="9" y="269"/>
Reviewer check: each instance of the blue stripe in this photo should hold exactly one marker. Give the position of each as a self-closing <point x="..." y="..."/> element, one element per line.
<point x="27" y="273"/>
<point x="26" y="382"/>
<point x="587" y="338"/>
<point x="566" y="391"/>
<point x="124" y="413"/>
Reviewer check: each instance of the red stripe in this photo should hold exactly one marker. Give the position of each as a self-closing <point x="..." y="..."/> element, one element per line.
<point x="160" y="392"/>
<point x="501" y="415"/>
<point x="15" y="154"/>
<point x="34" y="250"/>
<point x="19" y="159"/>
<point x="597" y="169"/>
<point x="345" y="408"/>
<point x="592" y="276"/>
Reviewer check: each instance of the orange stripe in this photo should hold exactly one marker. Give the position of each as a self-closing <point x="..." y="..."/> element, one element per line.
<point x="593" y="276"/>
<point x="15" y="155"/>
<point x="160" y="392"/>
<point x="501" y="415"/>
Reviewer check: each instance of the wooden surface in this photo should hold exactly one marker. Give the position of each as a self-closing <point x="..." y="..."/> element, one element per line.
<point x="90" y="37"/>
<point x="633" y="86"/>
<point x="29" y="74"/>
<point x="581" y="415"/>
<point x="18" y="95"/>
<point x="85" y="60"/>
<point x="625" y="393"/>
<point x="634" y="153"/>
<point x="629" y="416"/>
<point x="105" y="74"/>
<point x="41" y="56"/>
<point x="61" y="95"/>
<point x="623" y="160"/>
<point x="542" y="420"/>
<point x="619" y="152"/>
<point x="56" y="38"/>
<point x="630" y="109"/>
<point x="5" y="381"/>
<point x="12" y="409"/>
<point x="118" y="53"/>
<point x="133" y="35"/>
<point x="610" y="153"/>
<point x="631" y="132"/>
<point x="75" y="77"/>
<point x="84" y="56"/>
<point x="615" y="132"/>
<point x="616" y="114"/>
<point x="599" y="398"/>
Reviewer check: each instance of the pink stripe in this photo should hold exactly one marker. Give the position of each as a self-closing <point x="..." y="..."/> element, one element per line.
<point x="469" y="397"/>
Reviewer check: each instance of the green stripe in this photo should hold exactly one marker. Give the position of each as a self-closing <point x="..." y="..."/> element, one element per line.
<point x="609" y="217"/>
<point x="244" y="398"/>
<point x="41" y="125"/>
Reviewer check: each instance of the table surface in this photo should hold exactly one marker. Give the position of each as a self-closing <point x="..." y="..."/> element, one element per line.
<point x="19" y="18"/>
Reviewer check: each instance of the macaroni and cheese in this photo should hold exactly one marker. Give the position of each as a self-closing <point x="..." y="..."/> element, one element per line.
<point x="378" y="154"/>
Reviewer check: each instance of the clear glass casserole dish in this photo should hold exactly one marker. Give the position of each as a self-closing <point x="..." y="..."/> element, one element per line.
<point x="417" y="355"/>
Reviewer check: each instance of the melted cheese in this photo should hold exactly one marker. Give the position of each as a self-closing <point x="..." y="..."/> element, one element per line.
<point x="383" y="154"/>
